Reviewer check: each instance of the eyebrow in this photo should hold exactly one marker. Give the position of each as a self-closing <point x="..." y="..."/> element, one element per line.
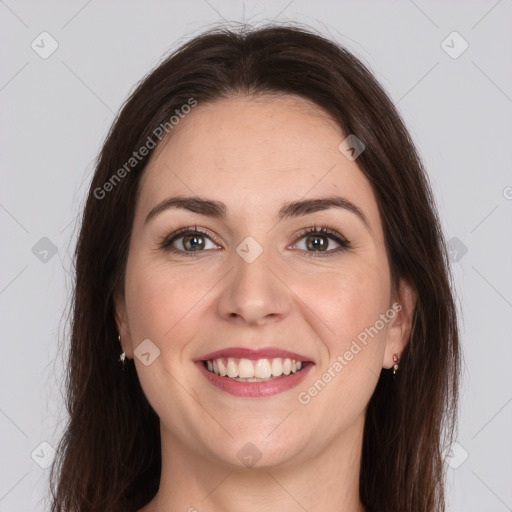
<point x="292" y="209"/>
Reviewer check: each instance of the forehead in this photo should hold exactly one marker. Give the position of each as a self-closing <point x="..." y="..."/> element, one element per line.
<point x="254" y="153"/>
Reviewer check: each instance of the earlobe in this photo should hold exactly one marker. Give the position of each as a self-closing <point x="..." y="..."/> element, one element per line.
<point x="400" y="327"/>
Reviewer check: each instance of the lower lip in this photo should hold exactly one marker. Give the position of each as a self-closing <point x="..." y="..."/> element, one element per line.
<point x="255" y="389"/>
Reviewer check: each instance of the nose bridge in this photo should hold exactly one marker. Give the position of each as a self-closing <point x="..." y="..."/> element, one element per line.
<point x="253" y="291"/>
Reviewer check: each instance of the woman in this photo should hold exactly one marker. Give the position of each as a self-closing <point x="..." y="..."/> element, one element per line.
<point x="260" y="244"/>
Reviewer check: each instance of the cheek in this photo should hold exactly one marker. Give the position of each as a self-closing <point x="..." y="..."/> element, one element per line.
<point x="349" y="303"/>
<point x="161" y="299"/>
<point x="346" y="301"/>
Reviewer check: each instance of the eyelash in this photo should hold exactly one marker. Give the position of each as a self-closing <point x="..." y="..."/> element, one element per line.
<point x="166" y="243"/>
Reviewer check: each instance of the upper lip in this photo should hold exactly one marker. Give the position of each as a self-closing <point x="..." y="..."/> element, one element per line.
<point x="250" y="353"/>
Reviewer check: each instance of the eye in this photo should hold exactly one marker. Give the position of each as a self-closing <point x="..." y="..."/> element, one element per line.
<point x="317" y="241"/>
<point x="187" y="241"/>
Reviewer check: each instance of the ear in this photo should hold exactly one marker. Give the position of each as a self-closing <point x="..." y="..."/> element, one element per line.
<point x="122" y="324"/>
<point x="399" y="328"/>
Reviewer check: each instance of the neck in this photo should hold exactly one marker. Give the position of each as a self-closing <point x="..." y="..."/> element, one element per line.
<point x="328" y="481"/>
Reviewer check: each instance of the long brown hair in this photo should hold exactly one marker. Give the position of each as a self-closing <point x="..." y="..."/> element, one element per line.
<point x="109" y="456"/>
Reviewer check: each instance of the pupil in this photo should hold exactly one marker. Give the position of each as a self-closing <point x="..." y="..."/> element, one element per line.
<point x="317" y="245"/>
<point x="194" y="238"/>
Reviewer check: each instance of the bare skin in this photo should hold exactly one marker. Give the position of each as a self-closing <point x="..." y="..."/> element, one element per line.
<point x="254" y="154"/>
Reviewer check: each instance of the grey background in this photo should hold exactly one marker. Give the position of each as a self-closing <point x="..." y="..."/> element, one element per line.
<point x="56" y="113"/>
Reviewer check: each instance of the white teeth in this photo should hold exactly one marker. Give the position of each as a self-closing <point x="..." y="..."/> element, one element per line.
<point x="277" y="367"/>
<point x="222" y="368"/>
<point x="245" y="369"/>
<point x="232" y="368"/>
<point x="264" y="369"/>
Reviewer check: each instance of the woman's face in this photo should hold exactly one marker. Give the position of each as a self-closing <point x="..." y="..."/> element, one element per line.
<point x="256" y="280"/>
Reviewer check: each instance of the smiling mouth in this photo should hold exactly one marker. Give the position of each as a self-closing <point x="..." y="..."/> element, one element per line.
<point x="249" y="370"/>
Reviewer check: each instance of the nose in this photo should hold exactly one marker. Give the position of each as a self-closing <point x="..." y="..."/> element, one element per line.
<point x="254" y="292"/>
